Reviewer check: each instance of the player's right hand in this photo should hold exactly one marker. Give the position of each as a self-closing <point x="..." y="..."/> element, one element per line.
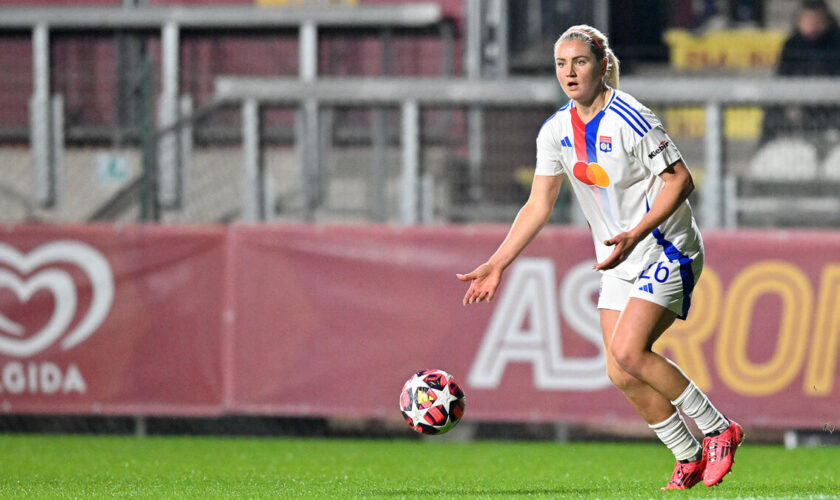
<point x="484" y="281"/>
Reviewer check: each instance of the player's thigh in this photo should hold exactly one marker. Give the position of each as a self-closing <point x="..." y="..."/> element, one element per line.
<point x="633" y="330"/>
<point x="641" y="323"/>
<point x="609" y="318"/>
<point x="612" y="299"/>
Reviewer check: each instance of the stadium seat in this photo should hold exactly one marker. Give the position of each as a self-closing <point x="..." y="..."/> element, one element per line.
<point x="785" y="159"/>
<point x="782" y="187"/>
<point x="831" y="165"/>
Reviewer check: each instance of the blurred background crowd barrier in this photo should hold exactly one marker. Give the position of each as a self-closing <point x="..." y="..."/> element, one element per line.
<point x="404" y="112"/>
<point x="407" y="119"/>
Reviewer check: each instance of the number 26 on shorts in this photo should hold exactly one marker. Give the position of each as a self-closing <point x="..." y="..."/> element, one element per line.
<point x="660" y="274"/>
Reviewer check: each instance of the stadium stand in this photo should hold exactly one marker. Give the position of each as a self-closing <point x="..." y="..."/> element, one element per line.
<point x="831" y="165"/>
<point x="783" y="185"/>
<point x="354" y="172"/>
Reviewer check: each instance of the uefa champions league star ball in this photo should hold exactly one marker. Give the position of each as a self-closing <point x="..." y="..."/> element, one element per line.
<point x="432" y="402"/>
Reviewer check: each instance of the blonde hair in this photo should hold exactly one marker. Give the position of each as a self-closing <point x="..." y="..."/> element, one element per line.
<point x="598" y="44"/>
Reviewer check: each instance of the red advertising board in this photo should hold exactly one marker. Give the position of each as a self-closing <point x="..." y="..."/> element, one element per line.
<point x="345" y="315"/>
<point x="330" y="321"/>
<point x="111" y="319"/>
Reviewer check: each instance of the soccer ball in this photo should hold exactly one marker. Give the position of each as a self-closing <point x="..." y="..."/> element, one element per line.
<point x="432" y="402"/>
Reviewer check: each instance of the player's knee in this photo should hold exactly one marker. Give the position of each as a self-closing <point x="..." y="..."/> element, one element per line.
<point x="629" y="360"/>
<point x="620" y="378"/>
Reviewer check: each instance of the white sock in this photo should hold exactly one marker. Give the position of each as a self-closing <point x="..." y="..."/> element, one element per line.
<point x="675" y="435"/>
<point x="697" y="406"/>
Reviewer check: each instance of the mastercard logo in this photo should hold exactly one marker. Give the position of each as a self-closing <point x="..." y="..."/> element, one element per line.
<point x="591" y="174"/>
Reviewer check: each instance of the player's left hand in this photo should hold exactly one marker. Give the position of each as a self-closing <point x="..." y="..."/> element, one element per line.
<point x="624" y="244"/>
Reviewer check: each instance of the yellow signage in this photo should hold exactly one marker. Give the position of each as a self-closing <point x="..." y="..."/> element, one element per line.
<point x="739" y="122"/>
<point x="725" y="49"/>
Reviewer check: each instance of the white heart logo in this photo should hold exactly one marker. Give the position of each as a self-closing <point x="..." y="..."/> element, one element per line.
<point x="65" y="305"/>
<point x="63" y="289"/>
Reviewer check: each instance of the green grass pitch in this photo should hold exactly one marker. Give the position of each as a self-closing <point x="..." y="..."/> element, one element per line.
<point x="39" y="466"/>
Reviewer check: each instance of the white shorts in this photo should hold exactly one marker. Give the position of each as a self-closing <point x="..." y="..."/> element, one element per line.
<point x="668" y="283"/>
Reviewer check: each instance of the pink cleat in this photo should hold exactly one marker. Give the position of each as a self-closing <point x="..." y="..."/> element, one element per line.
<point x="686" y="475"/>
<point x="719" y="453"/>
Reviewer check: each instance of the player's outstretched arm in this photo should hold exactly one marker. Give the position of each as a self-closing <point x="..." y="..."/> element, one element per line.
<point x="485" y="279"/>
<point x="678" y="185"/>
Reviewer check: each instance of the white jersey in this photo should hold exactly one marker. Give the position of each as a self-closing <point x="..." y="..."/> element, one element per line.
<point x="613" y="163"/>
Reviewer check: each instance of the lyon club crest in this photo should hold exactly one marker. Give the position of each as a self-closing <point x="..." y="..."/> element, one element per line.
<point x="605" y="143"/>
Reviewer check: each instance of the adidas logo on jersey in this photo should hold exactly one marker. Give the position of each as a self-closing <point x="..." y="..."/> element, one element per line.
<point x="647" y="288"/>
<point x="566" y="143"/>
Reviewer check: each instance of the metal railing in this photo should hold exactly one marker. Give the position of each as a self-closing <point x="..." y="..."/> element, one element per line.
<point x="310" y="93"/>
<point x="720" y="201"/>
<point x="46" y="111"/>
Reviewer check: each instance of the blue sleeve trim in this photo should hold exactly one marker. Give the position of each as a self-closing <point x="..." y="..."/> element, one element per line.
<point x="616" y="111"/>
<point x="636" y="112"/>
<point x="645" y="127"/>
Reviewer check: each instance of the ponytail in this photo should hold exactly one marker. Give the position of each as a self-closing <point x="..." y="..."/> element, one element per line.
<point x="611" y="78"/>
<point x="598" y="44"/>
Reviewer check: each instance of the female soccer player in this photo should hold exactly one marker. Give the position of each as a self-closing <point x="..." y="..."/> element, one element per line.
<point x="632" y="185"/>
